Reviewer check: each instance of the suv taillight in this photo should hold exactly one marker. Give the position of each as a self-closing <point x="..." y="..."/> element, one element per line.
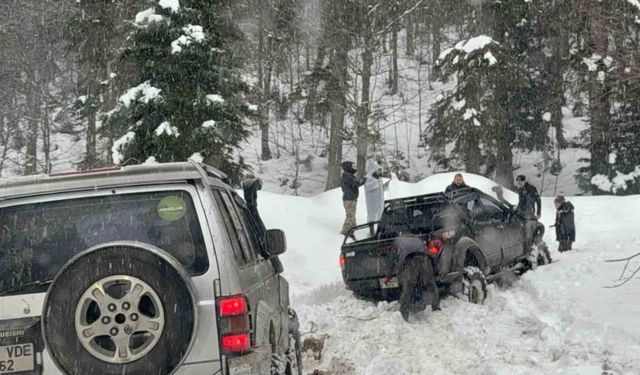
<point x="235" y="324"/>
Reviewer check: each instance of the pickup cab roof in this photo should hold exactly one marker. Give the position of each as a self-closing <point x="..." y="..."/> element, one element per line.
<point x="136" y="175"/>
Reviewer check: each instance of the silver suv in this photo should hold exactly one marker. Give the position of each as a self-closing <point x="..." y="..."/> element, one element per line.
<point x="151" y="269"/>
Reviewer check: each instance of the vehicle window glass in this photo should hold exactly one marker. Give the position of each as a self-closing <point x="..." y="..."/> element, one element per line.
<point x="231" y="229"/>
<point x="488" y="203"/>
<point x="239" y="229"/>
<point x="255" y="235"/>
<point x="36" y="240"/>
<point x="249" y="227"/>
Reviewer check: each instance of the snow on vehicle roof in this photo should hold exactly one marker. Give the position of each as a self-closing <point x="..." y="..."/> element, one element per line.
<point x="142" y="174"/>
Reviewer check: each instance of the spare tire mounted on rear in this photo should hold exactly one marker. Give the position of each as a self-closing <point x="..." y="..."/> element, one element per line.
<point x="120" y="308"/>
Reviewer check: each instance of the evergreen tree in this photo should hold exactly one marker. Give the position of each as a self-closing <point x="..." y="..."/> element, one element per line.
<point x="190" y="102"/>
<point x="495" y="107"/>
<point x="607" y="61"/>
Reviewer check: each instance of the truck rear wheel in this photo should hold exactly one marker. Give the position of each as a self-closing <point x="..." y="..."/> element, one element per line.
<point x="120" y="308"/>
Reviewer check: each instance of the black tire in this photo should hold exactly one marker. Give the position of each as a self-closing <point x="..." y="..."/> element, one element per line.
<point x="544" y="256"/>
<point x="153" y="266"/>
<point x="289" y="362"/>
<point x="294" y="354"/>
<point x="474" y="285"/>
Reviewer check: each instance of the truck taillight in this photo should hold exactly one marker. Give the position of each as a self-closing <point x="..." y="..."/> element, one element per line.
<point x="234" y="324"/>
<point x="434" y="247"/>
<point x="343" y="261"/>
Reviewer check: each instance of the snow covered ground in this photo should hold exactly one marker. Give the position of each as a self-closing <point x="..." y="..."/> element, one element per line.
<point x="559" y="319"/>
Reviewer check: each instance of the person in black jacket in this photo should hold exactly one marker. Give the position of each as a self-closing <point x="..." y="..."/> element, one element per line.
<point x="350" y="191"/>
<point x="416" y="277"/>
<point x="565" y="224"/>
<point x="529" y="201"/>
<point x="457" y="184"/>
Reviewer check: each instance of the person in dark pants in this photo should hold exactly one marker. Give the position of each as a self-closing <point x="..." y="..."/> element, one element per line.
<point x="565" y="224"/>
<point x="350" y="185"/>
<point x="529" y="201"/>
<point x="416" y="277"/>
<point x="457" y="184"/>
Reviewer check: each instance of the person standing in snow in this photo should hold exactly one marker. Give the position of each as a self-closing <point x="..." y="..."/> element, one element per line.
<point x="416" y="277"/>
<point x="374" y="192"/>
<point x="350" y="185"/>
<point x="529" y="201"/>
<point x="565" y="224"/>
<point x="457" y="184"/>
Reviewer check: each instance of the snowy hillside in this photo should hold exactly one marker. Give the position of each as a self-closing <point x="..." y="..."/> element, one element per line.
<point x="405" y="115"/>
<point x="559" y="319"/>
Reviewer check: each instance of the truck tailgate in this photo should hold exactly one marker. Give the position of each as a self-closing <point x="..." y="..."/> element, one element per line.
<point x="366" y="260"/>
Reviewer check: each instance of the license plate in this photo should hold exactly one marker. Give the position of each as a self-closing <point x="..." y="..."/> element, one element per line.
<point x="392" y="283"/>
<point x="16" y="358"/>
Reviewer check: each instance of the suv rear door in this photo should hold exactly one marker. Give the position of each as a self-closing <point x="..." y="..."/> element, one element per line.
<point x="258" y="278"/>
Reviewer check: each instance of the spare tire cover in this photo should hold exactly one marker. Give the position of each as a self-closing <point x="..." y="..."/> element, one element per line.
<point x="120" y="308"/>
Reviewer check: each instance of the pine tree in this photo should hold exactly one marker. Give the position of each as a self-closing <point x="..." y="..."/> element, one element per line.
<point x="190" y="102"/>
<point x="607" y="62"/>
<point x="496" y="106"/>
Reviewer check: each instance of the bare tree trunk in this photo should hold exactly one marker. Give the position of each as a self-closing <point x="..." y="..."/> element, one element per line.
<point x="4" y="142"/>
<point x="394" y="67"/>
<point x="362" y="129"/>
<point x="560" y="45"/>
<point x="309" y="109"/>
<point x="90" y="146"/>
<point x="599" y="102"/>
<point x="46" y="140"/>
<point x="31" y="157"/>
<point x="436" y="41"/>
<point x="504" y="162"/>
<point x="264" y="80"/>
<point x="337" y="97"/>
<point x="410" y="35"/>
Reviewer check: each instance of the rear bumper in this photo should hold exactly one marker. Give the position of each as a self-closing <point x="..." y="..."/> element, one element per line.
<point x="258" y="362"/>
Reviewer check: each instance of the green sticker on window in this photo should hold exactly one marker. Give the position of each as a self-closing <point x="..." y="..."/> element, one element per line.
<point x="171" y="208"/>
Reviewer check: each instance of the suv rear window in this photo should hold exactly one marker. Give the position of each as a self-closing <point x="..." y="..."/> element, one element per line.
<point x="36" y="240"/>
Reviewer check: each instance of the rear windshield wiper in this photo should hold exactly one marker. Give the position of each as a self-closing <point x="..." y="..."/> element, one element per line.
<point x="27" y="287"/>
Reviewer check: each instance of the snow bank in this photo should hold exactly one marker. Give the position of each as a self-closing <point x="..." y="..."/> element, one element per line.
<point x="557" y="319"/>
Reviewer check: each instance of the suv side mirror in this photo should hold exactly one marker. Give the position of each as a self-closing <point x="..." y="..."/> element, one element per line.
<point x="276" y="242"/>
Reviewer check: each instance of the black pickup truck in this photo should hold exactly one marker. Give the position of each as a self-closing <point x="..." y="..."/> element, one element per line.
<point x="471" y="237"/>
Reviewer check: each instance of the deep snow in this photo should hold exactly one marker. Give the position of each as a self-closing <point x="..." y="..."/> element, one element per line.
<point x="559" y="319"/>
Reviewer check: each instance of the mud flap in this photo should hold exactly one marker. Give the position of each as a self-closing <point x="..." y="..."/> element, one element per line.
<point x="258" y="362"/>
